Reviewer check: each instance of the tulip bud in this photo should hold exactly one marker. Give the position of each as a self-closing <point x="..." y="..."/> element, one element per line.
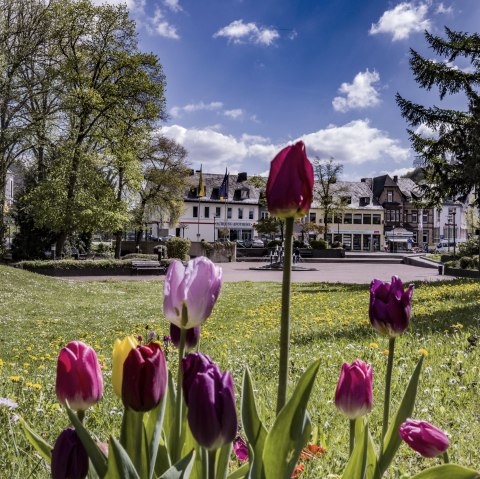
<point x="240" y="449"/>
<point x="424" y="438"/>
<point x="144" y="377"/>
<point x="290" y="183"/>
<point x="210" y="399"/>
<point x="196" y="287"/>
<point x="390" y="306"/>
<point x="79" y="378"/>
<point x="354" y="396"/>
<point x="69" y="457"/>
<point x="121" y="349"/>
<point x="191" y="339"/>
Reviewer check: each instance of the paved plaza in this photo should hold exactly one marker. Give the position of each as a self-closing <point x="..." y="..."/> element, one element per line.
<point x="356" y="273"/>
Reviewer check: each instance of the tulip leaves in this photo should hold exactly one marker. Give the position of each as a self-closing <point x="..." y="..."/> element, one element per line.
<point x="448" y="471"/>
<point x="358" y="460"/>
<point x="42" y="447"/>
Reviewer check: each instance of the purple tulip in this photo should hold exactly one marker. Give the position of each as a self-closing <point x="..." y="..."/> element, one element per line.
<point x="144" y="377"/>
<point x="69" y="457"/>
<point x="390" y="306"/>
<point x="191" y="339"/>
<point x="240" y="449"/>
<point x="290" y="183"/>
<point x="424" y="438"/>
<point x="210" y="399"/>
<point x="196" y="286"/>
<point x="354" y="395"/>
<point x="79" y="378"/>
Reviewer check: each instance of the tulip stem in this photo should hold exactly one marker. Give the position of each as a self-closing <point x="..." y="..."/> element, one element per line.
<point x="388" y="381"/>
<point x="177" y="420"/>
<point x="81" y="415"/>
<point x="352" y="435"/>
<point x="285" y="318"/>
<point x="446" y="459"/>
<point x="211" y="463"/>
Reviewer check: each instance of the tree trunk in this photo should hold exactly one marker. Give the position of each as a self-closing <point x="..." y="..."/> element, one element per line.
<point x="118" y="244"/>
<point x="62" y="238"/>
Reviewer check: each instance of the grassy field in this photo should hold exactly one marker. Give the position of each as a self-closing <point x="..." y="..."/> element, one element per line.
<point x="39" y="315"/>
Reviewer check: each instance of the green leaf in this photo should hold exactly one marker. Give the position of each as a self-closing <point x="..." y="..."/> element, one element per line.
<point x="182" y="469"/>
<point x="223" y="456"/>
<point x="392" y="439"/>
<point x="372" y="458"/>
<point x="153" y="427"/>
<point x="41" y="446"/>
<point x="291" y="429"/>
<point x="357" y="463"/>
<point x="448" y="471"/>
<point x="170" y="406"/>
<point x="133" y="439"/>
<point x="240" y="473"/>
<point x="254" y="429"/>
<point x="162" y="462"/>
<point x="99" y="461"/>
<point x="120" y="465"/>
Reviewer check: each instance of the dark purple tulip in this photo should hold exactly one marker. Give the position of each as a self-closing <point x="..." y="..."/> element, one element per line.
<point x="424" y="438"/>
<point x="390" y="306"/>
<point x="69" y="458"/>
<point x="210" y="399"/>
<point x="290" y="183"/>
<point x="354" y="395"/>
<point x="191" y="340"/>
<point x="79" y="378"/>
<point x="144" y="377"/>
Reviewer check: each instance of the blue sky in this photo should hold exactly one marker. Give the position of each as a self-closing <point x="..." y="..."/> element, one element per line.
<point x="246" y="77"/>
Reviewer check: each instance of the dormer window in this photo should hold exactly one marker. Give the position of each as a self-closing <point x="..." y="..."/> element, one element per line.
<point x="364" y="201"/>
<point x="390" y="196"/>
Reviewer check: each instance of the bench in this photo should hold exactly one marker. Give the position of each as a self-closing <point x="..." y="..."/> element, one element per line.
<point x="148" y="267"/>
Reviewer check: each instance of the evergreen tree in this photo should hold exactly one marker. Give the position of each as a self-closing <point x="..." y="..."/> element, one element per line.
<point x="450" y="157"/>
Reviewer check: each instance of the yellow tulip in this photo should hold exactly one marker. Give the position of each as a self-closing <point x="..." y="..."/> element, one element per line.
<point x="121" y="349"/>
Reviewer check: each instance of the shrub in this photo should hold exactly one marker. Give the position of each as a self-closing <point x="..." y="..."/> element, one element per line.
<point x="319" y="244"/>
<point x="140" y="256"/>
<point x="73" y="264"/>
<point x="469" y="248"/>
<point x="160" y="248"/>
<point x="337" y="244"/>
<point x="178" y="248"/>
<point x="452" y="263"/>
<point x="273" y="243"/>
<point x="466" y="262"/>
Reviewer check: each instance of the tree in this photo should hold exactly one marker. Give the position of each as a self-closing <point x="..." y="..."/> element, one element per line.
<point x="326" y="174"/>
<point x="105" y="86"/>
<point x="269" y="226"/>
<point x="450" y="157"/>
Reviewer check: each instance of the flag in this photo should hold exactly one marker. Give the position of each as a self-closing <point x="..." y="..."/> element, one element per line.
<point x="201" y="185"/>
<point x="223" y="193"/>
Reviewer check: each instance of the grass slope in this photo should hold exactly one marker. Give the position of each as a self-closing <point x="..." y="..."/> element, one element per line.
<point x="39" y="315"/>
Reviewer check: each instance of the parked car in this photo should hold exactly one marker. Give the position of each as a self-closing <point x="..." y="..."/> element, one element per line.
<point x="254" y="243"/>
<point x="444" y="246"/>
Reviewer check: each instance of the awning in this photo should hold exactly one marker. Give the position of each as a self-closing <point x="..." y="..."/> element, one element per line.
<point x="397" y="240"/>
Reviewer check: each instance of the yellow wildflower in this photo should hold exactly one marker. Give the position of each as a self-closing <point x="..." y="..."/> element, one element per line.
<point x="374" y="345"/>
<point x="423" y="352"/>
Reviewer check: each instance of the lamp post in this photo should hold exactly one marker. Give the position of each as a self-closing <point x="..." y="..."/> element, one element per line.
<point x="214" y="221"/>
<point x="454" y="212"/>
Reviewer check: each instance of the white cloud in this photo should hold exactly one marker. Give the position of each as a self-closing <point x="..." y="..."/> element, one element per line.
<point x="355" y="142"/>
<point x="426" y="131"/>
<point x="173" y="5"/>
<point x="239" y="32"/>
<point x="442" y="9"/>
<point x="161" y="26"/>
<point x="234" y="114"/>
<point x="176" y="111"/>
<point x="359" y="94"/>
<point x="401" y="21"/>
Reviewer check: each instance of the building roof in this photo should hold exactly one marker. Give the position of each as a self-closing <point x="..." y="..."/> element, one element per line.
<point x="407" y="187"/>
<point x="240" y="189"/>
<point x="355" y="190"/>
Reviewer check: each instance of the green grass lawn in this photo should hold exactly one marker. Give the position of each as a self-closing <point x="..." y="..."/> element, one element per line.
<point x="39" y="315"/>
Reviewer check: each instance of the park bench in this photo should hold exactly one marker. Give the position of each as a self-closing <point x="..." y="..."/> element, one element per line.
<point x="147" y="267"/>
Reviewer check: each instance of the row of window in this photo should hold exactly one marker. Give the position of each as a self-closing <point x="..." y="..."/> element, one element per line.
<point x="350" y="218"/>
<point x="218" y="212"/>
<point x="393" y="216"/>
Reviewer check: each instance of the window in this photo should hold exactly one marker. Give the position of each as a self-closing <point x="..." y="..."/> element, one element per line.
<point x="240" y="213"/>
<point x="206" y="212"/>
<point x="414" y="216"/>
<point x="367" y="219"/>
<point x="337" y="218"/>
<point x="364" y="201"/>
<point x="390" y="196"/>
<point x="357" y="219"/>
<point x="313" y="217"/>
<point x="264" y="215"/>
<point x="347" y="218"/>
<point x="218" y="211"/>
<point x="425" y="217"/>
<point x="251" y="214"/>
<point x="195" y="211"/>
<point x="329" y="218"/>
<point x="376" y="219"/>
<point x="229" y="213"/>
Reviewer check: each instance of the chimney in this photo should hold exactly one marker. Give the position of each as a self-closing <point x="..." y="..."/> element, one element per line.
<point x="241" y="177"/>
<point x="395" y="178"/>
<point x="363" y="180"/>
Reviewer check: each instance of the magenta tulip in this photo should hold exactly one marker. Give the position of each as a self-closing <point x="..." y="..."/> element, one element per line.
<point x="353" y="396"/>
<point x="191" y="338"/>
<point x="390" y="306"/>
<point x="69" y="457"/>
<point x="79" y="378"/>
<point x="144" y="377"/>
<point x="290" y="183"/>
<point x="195" y="287"/>
<point x="424" y="438"/>
<point x="210" y="399"/>
<point x="240" y="449"/>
